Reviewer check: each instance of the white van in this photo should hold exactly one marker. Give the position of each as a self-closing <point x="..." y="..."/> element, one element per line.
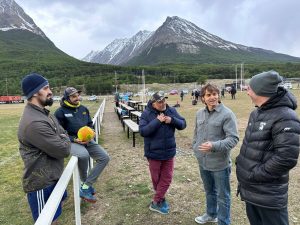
<point x="288" y="85"/>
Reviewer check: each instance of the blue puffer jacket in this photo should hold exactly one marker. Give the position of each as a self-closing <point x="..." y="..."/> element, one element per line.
<point x="72" y="118"/>
<point x="159" y="138"/>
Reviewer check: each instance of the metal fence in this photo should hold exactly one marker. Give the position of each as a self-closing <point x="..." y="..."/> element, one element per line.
<point x="48" y="212"/>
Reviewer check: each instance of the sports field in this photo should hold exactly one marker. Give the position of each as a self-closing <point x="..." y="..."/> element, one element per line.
<point x="124" y="189"/>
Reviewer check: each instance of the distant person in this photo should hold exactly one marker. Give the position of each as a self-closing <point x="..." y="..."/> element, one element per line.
<point x="269" y="151"/>
<point x="223" y="93"/>
<point x="197" y="94"/>
<point x="193" y="94"/>
<point x="117" y="99"/>
<point x="181" y="95"/>
<point x="72" y="116"/>
<point x="215" y="134"/>
<point x="43" y="145"/>
<point x="157" y="125"/>
<point x="233" y="91"/>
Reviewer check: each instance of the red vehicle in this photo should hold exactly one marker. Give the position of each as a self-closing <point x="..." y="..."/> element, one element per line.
<point x="11" y="99"/>
<point x="173" y="92"/>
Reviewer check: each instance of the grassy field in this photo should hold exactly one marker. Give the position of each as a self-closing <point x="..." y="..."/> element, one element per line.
<point x="124" y="189"/>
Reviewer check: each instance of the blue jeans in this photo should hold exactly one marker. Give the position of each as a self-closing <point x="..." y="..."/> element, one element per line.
<point x="217" y="189"/>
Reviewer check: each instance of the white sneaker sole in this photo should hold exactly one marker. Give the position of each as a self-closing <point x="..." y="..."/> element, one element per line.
<point x="204" y="222"/>
<point x="156" y="210"/>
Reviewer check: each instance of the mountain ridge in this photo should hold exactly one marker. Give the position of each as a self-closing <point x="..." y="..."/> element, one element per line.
<point x="181" y="41"/>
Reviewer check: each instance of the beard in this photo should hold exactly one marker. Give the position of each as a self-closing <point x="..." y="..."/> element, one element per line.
<point x="45" y="102"/>
<point x="49" y="102"/>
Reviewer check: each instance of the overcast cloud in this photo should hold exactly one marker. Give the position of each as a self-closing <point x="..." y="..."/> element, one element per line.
<point x="77" y="26"/>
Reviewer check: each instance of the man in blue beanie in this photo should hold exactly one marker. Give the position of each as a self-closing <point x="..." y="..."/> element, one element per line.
<point x="72" y="115"/>
<point x="43" y="144"/>
<point x="269" y="151"/>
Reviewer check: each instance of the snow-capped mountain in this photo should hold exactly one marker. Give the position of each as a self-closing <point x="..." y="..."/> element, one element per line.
<point x="180" y="41"/>
<point x="108" y="53"/>
<point x="120" y="50"/>
<point x="12" y="16"/>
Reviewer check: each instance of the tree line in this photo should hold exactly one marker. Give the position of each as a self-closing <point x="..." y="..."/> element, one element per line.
<point x="100" y="79"/>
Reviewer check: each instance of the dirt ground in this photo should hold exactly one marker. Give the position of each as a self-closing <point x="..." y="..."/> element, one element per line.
<point x="124" y="189"/>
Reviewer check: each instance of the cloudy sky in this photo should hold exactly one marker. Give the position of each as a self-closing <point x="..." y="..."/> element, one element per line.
<point x="77" y="26"/>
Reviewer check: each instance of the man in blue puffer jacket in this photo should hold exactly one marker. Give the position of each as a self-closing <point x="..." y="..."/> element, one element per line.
<point x="157" y="126"/>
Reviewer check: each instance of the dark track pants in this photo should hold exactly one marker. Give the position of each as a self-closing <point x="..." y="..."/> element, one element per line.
<point x="263" y="216"/>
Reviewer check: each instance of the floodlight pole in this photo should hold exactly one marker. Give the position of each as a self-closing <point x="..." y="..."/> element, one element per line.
<point x="116" y="82"/>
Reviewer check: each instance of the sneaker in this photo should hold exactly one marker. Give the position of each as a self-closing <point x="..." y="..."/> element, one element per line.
<point x="205" y="218"/>
<point x="92" y="190"/>
<point x="165" y="204"/>
<point x="158" y="208"/>
<point x="86" y="195"/>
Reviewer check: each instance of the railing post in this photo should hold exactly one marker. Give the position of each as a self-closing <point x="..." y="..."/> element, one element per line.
<point x="76" y="185"/>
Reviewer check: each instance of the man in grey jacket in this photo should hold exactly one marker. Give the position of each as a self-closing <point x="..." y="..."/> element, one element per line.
<point x="215" y="135"/>
<point x="43" y="144"/>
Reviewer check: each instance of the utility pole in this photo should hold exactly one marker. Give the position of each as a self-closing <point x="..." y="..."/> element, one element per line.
<point x="6" y="87"/>
<point x="144" y="87"/>
<point x="241" y="86"/>
<point x="235" y="76"/>
<point x="116" y="85"/>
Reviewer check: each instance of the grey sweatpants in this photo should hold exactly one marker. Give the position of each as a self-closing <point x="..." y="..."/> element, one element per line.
<point x="84" y="152"/>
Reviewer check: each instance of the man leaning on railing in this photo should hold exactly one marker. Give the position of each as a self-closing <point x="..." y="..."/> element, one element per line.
<point x="43" y="145"/>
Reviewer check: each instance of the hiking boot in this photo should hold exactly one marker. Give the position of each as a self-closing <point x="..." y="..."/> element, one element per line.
<point x="86" y="195"/>
<point x="205" y="218"/>
<point x="158" y="208"/>
<point x="165" y="204"/>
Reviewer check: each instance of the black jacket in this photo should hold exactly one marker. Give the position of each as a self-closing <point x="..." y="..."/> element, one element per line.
<point x="269" y="150"/>
<point x="72" y="118"/>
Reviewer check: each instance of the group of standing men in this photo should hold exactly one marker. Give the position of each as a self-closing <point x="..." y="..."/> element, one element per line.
<point x="45" y="140"/>
<point x="270" y="148"/>
<point x="269" y="151"/>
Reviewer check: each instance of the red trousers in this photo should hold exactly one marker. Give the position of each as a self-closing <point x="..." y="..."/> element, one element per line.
<point x="161" y="172"/>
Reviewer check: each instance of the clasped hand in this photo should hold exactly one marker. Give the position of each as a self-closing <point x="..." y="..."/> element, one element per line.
<point x="162" y="118"/>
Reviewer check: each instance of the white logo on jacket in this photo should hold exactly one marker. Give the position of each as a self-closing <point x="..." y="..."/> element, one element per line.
<point x="69" y="115"/>
<point x="261" y="125"/>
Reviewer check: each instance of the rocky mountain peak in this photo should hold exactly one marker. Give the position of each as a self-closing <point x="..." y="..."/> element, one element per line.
<point x="12" y="16"/>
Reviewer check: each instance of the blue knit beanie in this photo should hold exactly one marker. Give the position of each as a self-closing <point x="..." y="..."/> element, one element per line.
<point x="32" y="83"/>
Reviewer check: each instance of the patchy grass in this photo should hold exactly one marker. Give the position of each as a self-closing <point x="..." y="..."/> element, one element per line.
<point x="124" y="190"/>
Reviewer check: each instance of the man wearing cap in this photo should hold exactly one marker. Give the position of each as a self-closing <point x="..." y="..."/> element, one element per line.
<point x="72" y="116"/>
<point x="269" y="151"/>
<point x="157" y="125"/>
<point x="43" y="144"/>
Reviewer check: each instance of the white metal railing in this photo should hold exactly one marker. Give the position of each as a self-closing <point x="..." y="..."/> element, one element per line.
<point x="48" y="212"/>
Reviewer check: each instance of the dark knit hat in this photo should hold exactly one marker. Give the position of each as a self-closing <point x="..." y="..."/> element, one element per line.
<point x="158" y="96"/>
<point x="70" y="91"/>
<point x="265" y="83"/>
<point x="32" y="83"/>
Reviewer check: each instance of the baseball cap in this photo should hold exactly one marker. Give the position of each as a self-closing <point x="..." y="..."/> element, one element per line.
<point x="70" y="91"/>
<point x="158" y="96"/>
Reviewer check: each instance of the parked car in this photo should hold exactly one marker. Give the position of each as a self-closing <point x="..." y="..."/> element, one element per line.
<point x="56" y="98"/>
<point x="173" y="92"/>
<point x="92" y="98"/>
<point x="185" y="91"/>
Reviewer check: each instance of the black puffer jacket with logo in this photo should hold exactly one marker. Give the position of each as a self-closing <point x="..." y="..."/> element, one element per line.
<point x="269" y="150"/>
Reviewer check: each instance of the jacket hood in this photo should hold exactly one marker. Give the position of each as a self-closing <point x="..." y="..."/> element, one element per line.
<point x="282" y="98"/>
<point x="65" y="103"/>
